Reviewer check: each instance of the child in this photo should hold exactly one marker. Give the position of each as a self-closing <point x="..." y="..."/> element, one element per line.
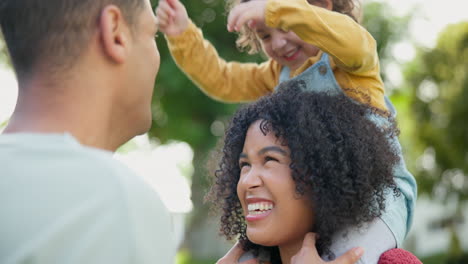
<point x="305" y="41"/>
<point x="353" y="50"/>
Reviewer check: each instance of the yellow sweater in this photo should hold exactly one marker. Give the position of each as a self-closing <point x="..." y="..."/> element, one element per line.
<point x="352" y="50"/>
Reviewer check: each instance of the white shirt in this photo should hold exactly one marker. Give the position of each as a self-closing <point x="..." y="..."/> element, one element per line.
<point x="62" y="202"/>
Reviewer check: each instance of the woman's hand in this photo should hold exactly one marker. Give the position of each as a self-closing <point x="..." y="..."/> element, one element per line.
<point x="233" y="256"/>
<point x="172" y="17"/>
<point x="308" y="253"/>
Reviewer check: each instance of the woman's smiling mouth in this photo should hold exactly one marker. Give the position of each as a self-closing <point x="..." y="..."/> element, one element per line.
<point x="258" y="210"/>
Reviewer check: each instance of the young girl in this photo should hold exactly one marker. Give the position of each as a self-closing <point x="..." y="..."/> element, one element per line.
<point x="271" y="190"/>
<point x="318" y="42"/>
<point x="294" y="35"/>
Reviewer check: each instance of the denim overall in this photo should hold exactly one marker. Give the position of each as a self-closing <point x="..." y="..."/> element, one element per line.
<point x="399" y="210"/>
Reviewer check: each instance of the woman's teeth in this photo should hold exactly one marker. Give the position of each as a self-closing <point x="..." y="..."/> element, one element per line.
<point x="259" y="208"/>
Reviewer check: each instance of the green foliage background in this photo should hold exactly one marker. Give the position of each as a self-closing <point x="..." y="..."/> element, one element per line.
<point x="432" y="106"/>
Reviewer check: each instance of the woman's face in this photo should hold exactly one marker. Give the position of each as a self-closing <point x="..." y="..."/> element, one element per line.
<point x="275" y="214"/>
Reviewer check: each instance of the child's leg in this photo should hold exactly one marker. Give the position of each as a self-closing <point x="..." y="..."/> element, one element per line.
<point x="375" y="238"/>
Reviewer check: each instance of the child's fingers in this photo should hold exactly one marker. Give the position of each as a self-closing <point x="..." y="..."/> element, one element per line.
<point x="240" y="19"/>
<point x="252" y="24"/>
<point x="162" y="24"/>
<point x="166" y="9"/>
<point x="173" y="3"/>
<point x="164" y="13"/>
<point x="163" y="18"/>
<point x="235" y="16"/>
<point x="242" y="13"/>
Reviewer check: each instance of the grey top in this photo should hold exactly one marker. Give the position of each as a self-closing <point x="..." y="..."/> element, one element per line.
<point x="62" y="202"/>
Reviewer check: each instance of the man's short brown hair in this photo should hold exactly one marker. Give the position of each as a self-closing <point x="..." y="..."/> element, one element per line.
<point x="53" y="31"/>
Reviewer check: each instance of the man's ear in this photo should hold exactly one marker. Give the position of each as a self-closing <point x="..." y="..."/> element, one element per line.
<point x="114" y="33"/>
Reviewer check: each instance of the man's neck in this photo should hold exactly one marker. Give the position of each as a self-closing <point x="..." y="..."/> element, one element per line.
<point x="83" y="113"/>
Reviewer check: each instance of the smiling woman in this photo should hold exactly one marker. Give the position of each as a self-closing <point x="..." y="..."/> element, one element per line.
<point x="266" y="190"/>
<point x="295" y="162"/>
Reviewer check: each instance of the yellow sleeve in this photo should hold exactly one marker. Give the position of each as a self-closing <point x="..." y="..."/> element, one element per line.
<point x="221" y="80"/>
<point x="351" y="47"/>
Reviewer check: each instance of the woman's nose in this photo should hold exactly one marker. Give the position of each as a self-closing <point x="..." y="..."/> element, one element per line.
<point x="251" y="179"/>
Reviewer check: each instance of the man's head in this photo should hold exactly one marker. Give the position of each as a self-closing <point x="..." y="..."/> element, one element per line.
<point x="93" y="60"/>
<point x="53" y="32"/>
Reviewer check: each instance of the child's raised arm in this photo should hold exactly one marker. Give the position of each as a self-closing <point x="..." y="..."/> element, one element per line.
<point x="172" y="17"/>
<point x="222" y="80"/>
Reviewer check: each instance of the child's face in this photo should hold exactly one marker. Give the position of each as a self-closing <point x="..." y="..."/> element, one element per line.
<point x="274" y="213"/>
<point x="285" y="47"/>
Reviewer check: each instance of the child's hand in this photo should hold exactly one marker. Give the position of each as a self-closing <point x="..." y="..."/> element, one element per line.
<point x="250" y="12"/>
<point x="172" y="17"/>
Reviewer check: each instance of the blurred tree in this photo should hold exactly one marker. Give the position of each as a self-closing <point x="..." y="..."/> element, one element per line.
<point x="439" y="85"/>
<point x="4" y="60"/>
<point x="438" y="82"/>
<point x="3" y="51"/>
<point x="387" y="29"/>
<point x="183" y="112"/>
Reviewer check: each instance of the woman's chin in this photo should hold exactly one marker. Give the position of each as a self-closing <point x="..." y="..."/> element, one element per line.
<point x="261" y="239"/>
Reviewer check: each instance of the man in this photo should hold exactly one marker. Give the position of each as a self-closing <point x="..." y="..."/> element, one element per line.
<point x="86" y="71"/>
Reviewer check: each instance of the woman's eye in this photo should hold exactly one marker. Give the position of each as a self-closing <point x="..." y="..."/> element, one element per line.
<point x="243" y="164"/>
<point x="268" y="158"/>
<point x="265" y="37"/>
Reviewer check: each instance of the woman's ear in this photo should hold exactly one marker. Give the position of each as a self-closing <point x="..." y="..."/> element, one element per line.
<point x="114" y="33"/>
<point x="327" y="4"/>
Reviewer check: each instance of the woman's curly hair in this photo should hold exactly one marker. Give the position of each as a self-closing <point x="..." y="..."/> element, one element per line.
<point x="340" y="160"/>
<point x="249" y="41"/>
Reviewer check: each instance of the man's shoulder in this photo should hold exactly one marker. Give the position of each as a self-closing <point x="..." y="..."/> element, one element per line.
<point x="76" y="191"/>
<point x="59" y="162"/>
<point x="61" y="159"/>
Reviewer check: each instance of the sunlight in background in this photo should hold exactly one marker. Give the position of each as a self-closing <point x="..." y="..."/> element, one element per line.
<point x="430" y="17"/>
<point x="167" y="168"/>
<point x="8" y="92"/>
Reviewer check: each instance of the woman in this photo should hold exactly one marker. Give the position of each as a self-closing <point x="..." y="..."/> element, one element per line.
<point x="296" y="162"/>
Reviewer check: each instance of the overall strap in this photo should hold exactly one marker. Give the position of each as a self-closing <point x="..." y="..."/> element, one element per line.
<point x="319" y="77"/>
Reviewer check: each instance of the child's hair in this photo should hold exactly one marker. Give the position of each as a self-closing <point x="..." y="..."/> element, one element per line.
<point x="340" y="160"/>
<point x="249" y="41"/>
